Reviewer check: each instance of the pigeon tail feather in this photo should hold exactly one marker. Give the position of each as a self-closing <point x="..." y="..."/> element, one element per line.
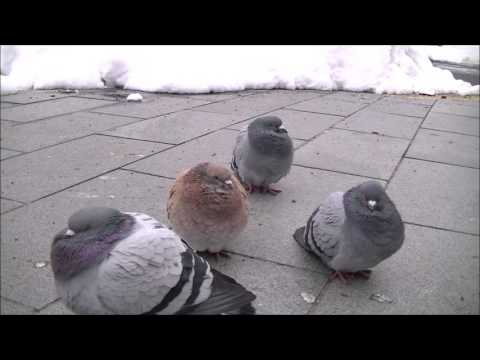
<point x="299" y="237"/>
<point x="227" y="297"/>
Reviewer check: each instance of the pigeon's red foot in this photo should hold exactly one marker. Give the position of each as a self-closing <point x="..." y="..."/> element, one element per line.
<point x="261" y="189"/>
<point x="268" y="190"/>
<point x="344" y="276"/>
<point x="273" y="191"/>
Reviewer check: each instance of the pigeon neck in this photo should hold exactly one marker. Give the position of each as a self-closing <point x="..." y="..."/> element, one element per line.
<point x="267" y="143"/>
<point x="380" y="231"/>
<point x="72" y="255"/>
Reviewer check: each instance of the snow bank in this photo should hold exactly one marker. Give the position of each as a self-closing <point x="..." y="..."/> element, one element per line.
<point x="200" y="69"/>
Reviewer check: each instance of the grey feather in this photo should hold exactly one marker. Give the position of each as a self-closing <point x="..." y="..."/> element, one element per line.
<point x="348" y="234"/>
<point x="145" y="268"/>
<point x="263" y="154"/>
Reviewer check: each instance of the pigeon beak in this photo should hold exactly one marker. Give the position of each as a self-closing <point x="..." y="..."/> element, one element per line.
<point x="229" y="183"/>
<point x="371" y="204"/>
<point x="69" y="232"/>
<point x="281" y="128"/>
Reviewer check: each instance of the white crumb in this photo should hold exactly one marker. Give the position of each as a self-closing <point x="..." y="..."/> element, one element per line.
<point x="135" y="97"/>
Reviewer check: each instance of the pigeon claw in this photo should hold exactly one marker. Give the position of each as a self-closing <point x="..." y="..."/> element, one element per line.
<point x="273" y="191"/>
<point x="345" y="276"/>
<point x="261" y="189"/>
<point x="267" y="190"/>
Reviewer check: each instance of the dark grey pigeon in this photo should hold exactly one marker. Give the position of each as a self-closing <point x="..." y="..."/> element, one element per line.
<point x="354" y="231"/>
<point x="109" y="262"/>
<point x="263" y="154"/>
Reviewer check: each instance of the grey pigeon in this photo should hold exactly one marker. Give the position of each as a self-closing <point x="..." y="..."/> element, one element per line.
<point x="263" y="154"/>
<point x="354" y="231"/>
<point x="110" y="262"/>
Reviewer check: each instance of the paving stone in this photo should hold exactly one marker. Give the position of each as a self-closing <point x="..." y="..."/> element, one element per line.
<point x="449" y="122"/>
<point x="329" y="106"/>
<point x="435" y="272"/>
<point x="57" y="308"/>
<point x="456" y="109"/>
<point x="352" y="152"/>
<point x="39" y="134"/>
<point x="385" y="124"/>
<point x="8" y="123"/>
<point x="5" y="105"/>
<point x="445" y="147"/>
<point x="301" y="92"/>
<point x="257" y="104"/>
<point x="300" y="125"/>
<point x="176" y="128"/>
<point x="251" y="92"/>
<point x="31" y="96"/>
<point x="27" y="232"/>
<point x="460" y="100"/>
<point x="112" y="94"/>
<point x="152" y="107"/>
<point x="43" y="172"/>
<point x="45" y="109"/>
<point x="400" y="108"/>
<point x="5" y="154"/>
<point x="216" y="148"/>
<point x="8" y="307"/>
<point x="365" y="98"/>
<point x="7" y="205"/>
<point x="433" y="194"/>
<point x="214" y="97"/>
<point x="278" y="288"/>
<point x="412" y="99"/>
<point x="273" y="219"/>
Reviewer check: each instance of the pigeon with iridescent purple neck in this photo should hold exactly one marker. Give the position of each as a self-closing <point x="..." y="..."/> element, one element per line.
<point x="110" y="262"/>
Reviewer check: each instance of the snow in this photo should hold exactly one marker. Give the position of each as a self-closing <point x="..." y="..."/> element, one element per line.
<point x="134" y="97"/>
<point x="202" y="69"/>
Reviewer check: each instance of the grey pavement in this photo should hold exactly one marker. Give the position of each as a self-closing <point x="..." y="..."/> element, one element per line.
<point x="62" y="151"/>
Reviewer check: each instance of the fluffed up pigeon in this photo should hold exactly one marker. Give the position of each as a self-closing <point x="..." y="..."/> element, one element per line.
<point x="111" y="262"/>
<point x="208" y="207"/>
<point x="354" y="231"/>
<point x="263" y="154"/>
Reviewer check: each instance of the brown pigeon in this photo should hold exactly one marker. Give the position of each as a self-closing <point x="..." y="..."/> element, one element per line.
<point x="207" y="207"/>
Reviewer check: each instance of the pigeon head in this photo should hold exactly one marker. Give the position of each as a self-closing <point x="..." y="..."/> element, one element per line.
<point x="374" y="196"/>
<point x="215" y="177"/>
<point x="370" y="209"/>
<point x="92" y="218"/>
<point x="91" y="234"/>
<point x="268" y="136"/>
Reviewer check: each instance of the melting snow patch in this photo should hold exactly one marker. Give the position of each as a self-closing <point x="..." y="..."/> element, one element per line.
<point x="135" y="97"/>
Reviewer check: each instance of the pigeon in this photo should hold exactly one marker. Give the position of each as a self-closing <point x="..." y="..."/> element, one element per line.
<point x="354" y="231"/>
<point x="263" y="154"/>
<point x="110" y="262"/>
<point x="208" y="207"/>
